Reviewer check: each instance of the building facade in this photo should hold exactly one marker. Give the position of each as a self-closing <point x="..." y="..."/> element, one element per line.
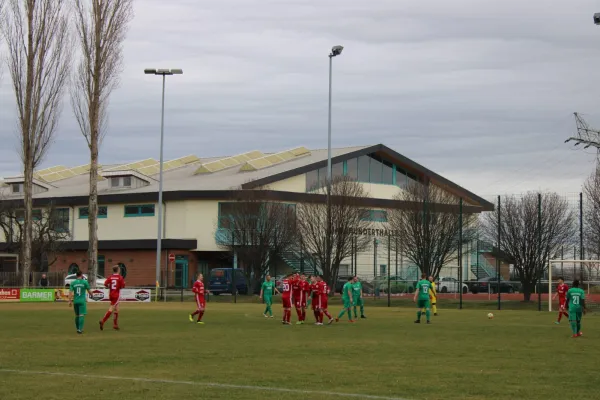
<point x="196" y="193"/>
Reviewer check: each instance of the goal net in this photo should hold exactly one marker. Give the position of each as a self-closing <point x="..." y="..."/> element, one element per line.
<point x="586" y="271"/>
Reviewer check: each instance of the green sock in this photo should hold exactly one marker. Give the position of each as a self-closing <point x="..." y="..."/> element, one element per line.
<point x="362" y="310"/>
<point x="578" y="326"/>
<point x="81" y="320"/>
<point x="341" y="314"/>
<point x="574" y="327"/>
<point x="270" y="311"/>
<point x="266" y="310"/>
<point x="349" y="315"/>
<point x="355" y="313"/>
<point x="427" y="314"/>
<point x="419" y="315"/>
<point x="77" y="322"/>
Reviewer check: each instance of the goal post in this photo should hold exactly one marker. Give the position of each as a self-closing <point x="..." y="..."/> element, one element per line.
<point x="597" y="262"/>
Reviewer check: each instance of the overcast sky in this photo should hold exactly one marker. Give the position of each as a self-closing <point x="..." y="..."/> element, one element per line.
<point x="481" y="92"/>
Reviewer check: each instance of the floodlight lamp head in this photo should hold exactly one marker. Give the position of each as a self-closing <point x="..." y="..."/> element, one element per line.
<point x="177" y="71"/>
<point x="597" y="18"/>
<point x="150" y="71"/>
<point x="336" y="50"/>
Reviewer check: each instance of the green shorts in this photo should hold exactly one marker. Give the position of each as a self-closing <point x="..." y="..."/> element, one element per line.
<point x="347" y="303"/>
<point x="80" y="308"/>
<point x="268" y="300"/>
<point x="575" y="315"/>
<point x="423" y="303"/>
<point x="359" y="302"/>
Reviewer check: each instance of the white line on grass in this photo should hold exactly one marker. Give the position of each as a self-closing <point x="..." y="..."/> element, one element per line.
<point x="206" y="384"/>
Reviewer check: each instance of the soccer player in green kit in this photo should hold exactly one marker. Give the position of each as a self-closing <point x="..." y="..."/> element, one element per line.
<point x="347" y="300"/>
<point x="576" y="302"/>
<point x="79" y="288"/>
<point x="357" y="297"/>
<point x="422" y="292"/>
<point x="266" y="292"/>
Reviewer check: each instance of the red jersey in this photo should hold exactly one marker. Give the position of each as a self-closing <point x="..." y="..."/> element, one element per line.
<point x="296" y="287"/>
<point x="314" y="288"/>
<point x="323" y="289"/>
<point x="198" y="289"/>
<point x="286" y="289"/>
<point x="562" y="291"/>
<point x="114" y="284"/>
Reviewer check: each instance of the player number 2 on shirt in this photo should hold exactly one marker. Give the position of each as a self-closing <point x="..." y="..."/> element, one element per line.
<point x="113" y="285"/>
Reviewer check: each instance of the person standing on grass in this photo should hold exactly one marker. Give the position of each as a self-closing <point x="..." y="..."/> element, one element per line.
<point x="79" y="289"/>
<point x="303" y="294"/>
<point x="286" y="299"/>
<point x="576" y="301"/>
<point x="346" y="300"/>
<point x="114" y="284"/>
<point x="198" y="290"/>
<point x="433" y="296"/>
<point x="357" y="297"/>
<point x="315" y="297"/>
<point x="323" y="299"/>
<point x="423" y="305"/>
<point x="561" y="292"/>
<point x="266" y="292"/>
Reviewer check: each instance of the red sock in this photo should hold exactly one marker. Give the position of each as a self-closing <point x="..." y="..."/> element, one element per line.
<point x="285" y="315"/>
<point x="106" y="316"/>
<point x="288" y="315"/>
<point x="566" y="314"/>
<point x="200" y="314"/>
<point x="321" y="317"/>
<point x="560" y="314"/>
<point x="317" y="313"/>
<point x="303" y="315"/>
<point x="299" y="312"/>
<point x="116" y="319"/>
<point x="327" y="313"/>
<point x="195" y="313"/>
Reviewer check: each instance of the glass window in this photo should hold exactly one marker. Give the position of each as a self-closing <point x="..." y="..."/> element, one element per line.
<point x="17" y="187"/>
<point x="36" y="214"/>
<point x="101" y="265"/>
<point x="312" y="180"/>
<point x="400" y="177"/>
<point x="127" y="181"/>
<point x="344" y="270"/>
<point x="352" y="168"/>
<point x="322" y="177"/>
<point x="337" y="170"/>
<point x="387" y="176"/>
<point x="73" y="268"/>
<point x="61" y="219"/>
<point x="114" y="182"/>
<point x="382" y="269"/>
<point x="363" y="168"/>
<point x="84" y="213"/>
<point x="379" y="215"/>
<point x="123" y="270"/>
<point x="376" y="171"/>
<point x="146" y="210"/>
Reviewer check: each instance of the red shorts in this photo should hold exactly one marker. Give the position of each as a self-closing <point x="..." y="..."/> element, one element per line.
<point x="114" y="300"/>
<point x="316" y="303"/>
<point x="287" y="302"/>
<point x="200" y="302"/>
<point x="300" y="300"/>
<point x="323" y="301"/>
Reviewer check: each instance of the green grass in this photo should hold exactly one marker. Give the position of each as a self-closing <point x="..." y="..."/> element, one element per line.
<point x="462" y="355"/>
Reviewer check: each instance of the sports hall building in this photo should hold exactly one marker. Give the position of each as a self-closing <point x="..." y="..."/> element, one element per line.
<point x="198" y="192"/>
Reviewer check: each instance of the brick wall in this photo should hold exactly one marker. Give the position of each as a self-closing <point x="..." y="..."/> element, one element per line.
<point x="141" y="264"/>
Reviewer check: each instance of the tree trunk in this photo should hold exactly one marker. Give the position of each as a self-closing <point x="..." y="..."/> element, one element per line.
<point x="28" y="221"/>
<point x="527" y="291"/>
<point x="93" y="215"/>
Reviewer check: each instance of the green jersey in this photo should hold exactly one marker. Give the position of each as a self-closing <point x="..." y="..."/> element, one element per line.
<point x="423" y="288"/>
<point x="356" y="290"/>
<point x="80" y="287"/>
<point x="347" y="288"/>
<point x="574" y="297"/>
<point x="268" y="288"/>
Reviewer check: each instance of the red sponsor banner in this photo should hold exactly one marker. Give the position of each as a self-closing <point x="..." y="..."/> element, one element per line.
<point x="10" y="294"/>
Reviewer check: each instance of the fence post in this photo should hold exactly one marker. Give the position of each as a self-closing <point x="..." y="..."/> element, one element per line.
<point x="233" y="268"/>
<point x="498" y="264"/>
<point x="375" y="289"/>
<point x="539" y="289"/>
<point x="581" y="252"/>
<point x="460" y="256"/>
<point x="389" y="266"/>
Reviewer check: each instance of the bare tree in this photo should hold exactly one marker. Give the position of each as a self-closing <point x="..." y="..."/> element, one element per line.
<point x="347" y="219"/>
<point x="528" y="240"/>
<point x="101" y="27"/>
<point x="257" y="232"/>
<point x="49" y="233"/>
<point x="39" y="59"/>
<point x="591" y="191"/>
<point x="428" y="226"/>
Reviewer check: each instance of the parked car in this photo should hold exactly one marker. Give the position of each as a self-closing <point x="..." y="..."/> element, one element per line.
<point x="70" y="278"/>
<point x="450" y="285"/>
<point x="221" y="281"/>
<point x="397" y="285"/>
<point x="490" y="285"/>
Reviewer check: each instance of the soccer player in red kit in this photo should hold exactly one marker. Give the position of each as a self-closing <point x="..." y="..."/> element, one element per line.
<point x="561" y="292"/>
<point x="286" y="299"/>
<point x="114" y="284"/>
<point x="315" y="300"/>
<point x="323" y="290"/>
<point x="301" y="291"/>
<point x="198" y="290"/>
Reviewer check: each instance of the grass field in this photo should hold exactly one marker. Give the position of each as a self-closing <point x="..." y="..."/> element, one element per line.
<point x="238" y="354"/>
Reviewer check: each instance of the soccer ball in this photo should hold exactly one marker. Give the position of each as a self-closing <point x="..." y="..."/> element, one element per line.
<point x="490" y="316"/>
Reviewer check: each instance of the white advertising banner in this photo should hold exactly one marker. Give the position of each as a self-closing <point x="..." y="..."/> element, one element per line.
<point x="127" y="295"/>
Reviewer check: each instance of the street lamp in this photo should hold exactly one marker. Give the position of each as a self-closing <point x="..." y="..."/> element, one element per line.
<point x="335" y="51"/>
<point x="163" y="73"/>
<point x="597" y="18"/>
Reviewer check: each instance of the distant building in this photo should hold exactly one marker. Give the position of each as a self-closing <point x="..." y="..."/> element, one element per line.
<point x="197" y="192"/>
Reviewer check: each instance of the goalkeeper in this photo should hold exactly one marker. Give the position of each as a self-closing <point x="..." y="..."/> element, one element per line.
<point x="433" y="296"/>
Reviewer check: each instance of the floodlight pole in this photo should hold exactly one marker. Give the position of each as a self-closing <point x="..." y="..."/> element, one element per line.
<point x="163" y="73"/>
<point x="335" y="51"/>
